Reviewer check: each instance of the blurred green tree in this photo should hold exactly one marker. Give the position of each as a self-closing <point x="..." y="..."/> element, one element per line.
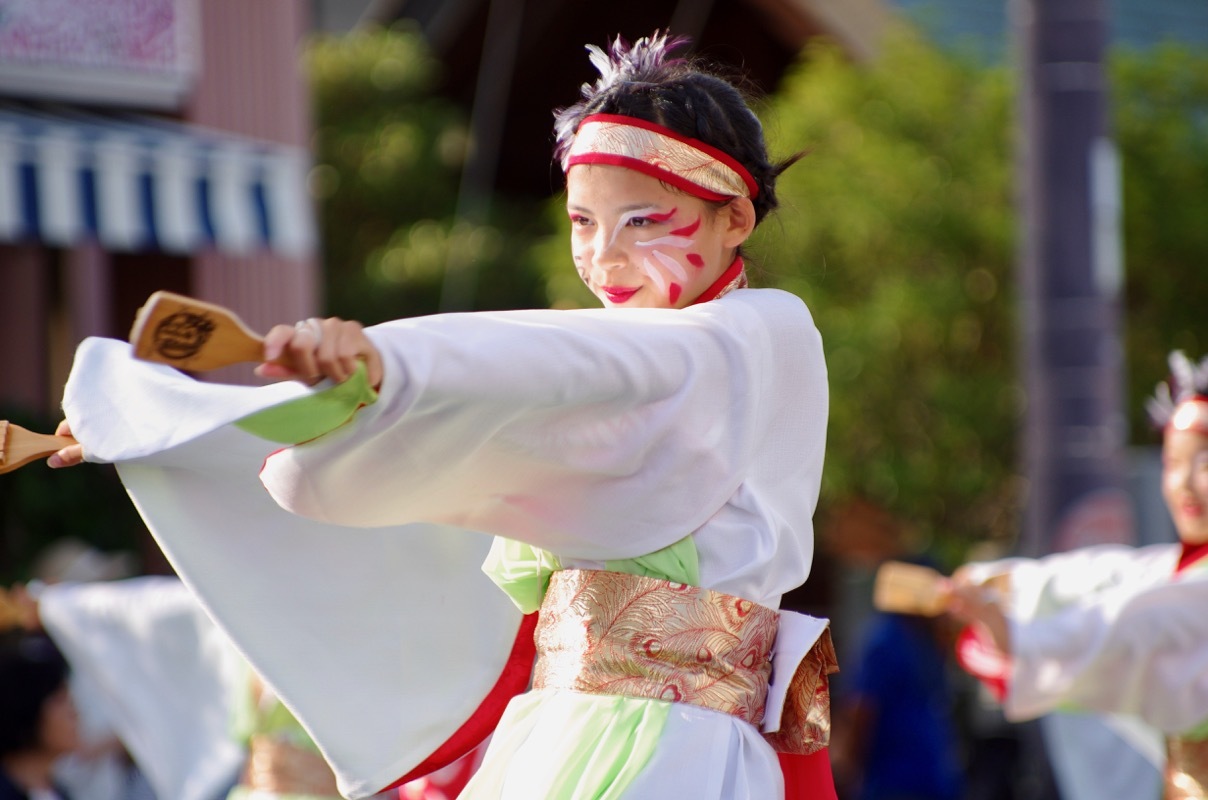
<point x="389" y="151"/>
<point x="1161" y="119"/>
<point x="897" y="230"/>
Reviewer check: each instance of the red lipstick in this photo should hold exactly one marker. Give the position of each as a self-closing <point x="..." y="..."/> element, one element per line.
<point x="618" y="294"/>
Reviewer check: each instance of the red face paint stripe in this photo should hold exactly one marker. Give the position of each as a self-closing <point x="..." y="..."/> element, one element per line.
<point x="687" y="230"/>
<point x="662" y="217"/>
<point x="674" y="293"/>
<point x="695" y="260"/>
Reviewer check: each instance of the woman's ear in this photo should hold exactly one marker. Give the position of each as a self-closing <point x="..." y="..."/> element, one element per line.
<point x="738" y="218"/>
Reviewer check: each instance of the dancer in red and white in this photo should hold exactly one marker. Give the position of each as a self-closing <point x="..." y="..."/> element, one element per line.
<point x="1113" y="629"/>
<point x="648" y="473"/>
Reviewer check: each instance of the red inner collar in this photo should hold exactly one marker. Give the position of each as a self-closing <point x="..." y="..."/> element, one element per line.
<point x="1192" y="553"/>
<point x="722" y="282"/>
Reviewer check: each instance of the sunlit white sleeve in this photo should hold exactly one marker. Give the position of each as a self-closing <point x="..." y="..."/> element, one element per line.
<point x="399" y="629"/>
<point x="1133" y="642"/>
<point x="1041" y="586"/>
<point x="595" y="434"/>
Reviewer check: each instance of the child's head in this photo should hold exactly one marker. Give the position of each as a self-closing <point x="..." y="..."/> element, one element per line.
<point x="643" y="82"/>
<point x="667" y="175"/>
<point x="36" y="711"/>
<point x="1180" y="408"/>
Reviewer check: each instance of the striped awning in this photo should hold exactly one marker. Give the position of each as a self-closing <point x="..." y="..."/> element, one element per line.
<point x="137" y="184"/>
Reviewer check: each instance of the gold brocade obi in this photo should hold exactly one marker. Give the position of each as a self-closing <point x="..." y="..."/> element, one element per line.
<point x="1186" y="768"/>
<point x="605" y="632"/>
<point x="279" y="767"/>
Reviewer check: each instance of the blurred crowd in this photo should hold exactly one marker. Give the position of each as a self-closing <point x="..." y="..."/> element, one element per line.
<point x="117" y="687"/>
<point x="909" y="724"/>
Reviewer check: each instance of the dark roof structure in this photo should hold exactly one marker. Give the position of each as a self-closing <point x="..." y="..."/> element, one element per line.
<point x="535" y="57"/>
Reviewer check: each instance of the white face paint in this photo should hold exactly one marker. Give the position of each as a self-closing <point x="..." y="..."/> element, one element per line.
<point x="654" y="215"/>
<point x="638" y="244"/>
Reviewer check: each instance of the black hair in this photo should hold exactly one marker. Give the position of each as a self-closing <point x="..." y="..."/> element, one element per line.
<point x="1188" y="380"/>
<point x="31" y="670"/>
<point x="642" y="81"/>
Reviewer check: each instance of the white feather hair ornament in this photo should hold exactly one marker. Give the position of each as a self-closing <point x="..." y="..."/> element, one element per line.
<point x="637" y="62"/>
<point x="1187" y="380"/>
<point x="645" y="61"/>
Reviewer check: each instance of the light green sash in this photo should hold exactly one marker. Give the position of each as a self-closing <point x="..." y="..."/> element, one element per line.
<point x="308" y="417"/>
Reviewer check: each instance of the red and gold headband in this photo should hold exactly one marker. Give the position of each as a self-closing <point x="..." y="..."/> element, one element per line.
<point x="1191" y="415"/>
<point x="688" y="164"/>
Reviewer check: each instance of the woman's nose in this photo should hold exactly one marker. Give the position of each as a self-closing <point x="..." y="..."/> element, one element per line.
<point x="609" y="254"/>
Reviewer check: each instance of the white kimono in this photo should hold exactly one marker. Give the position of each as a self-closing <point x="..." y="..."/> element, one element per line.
<point x="595" y="435"/>
<point x="1110" y="629"/>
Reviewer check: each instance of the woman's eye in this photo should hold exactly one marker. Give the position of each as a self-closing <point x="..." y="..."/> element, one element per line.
<point x="639" y="222"/>
<point x="578" y="220"/>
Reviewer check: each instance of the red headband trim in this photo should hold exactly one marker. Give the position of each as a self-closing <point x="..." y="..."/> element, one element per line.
<point x="686" y="163"/>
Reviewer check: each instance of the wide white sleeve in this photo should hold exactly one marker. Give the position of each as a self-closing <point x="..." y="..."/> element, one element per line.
<point x="594" y="434"/>
<point x="1042" y="586"/>
<point x="159" y="670"/>
<point x="1137" y="651"/>
<point x="397" y="628"/>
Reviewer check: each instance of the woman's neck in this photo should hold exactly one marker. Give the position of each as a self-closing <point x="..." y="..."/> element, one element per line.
<point x="29" y="769"/>
<point x="733" y="277"/>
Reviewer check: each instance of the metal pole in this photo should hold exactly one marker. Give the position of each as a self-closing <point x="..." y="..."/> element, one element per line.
<point x="1069" y="280"/>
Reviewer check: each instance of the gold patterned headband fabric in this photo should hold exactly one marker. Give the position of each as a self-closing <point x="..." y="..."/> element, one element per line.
<point x="605" y="632"/>
<point x="688" y="164"/>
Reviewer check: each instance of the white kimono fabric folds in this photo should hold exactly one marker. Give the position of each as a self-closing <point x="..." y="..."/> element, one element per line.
<point x="347" y="569"/>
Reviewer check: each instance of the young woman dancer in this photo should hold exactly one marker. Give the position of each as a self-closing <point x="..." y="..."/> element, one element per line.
<point x="648" y="471"/>
<point x="1110" y="628"/>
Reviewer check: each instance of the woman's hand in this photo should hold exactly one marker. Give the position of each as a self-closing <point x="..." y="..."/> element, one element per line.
<point x="977" y="604"/>
<point x="330" y="348"/>
<point x="20" y="605"/>
<point x="69" y="456"/>
<point x="320" y="348"/>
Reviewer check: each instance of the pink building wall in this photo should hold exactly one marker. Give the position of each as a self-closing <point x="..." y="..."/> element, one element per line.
<point x="250" y="83"/>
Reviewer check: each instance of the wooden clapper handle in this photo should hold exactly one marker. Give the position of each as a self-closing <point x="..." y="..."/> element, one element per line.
<point x="169" y="329"/>
<point x="19" y="446"/>
<point x="193" y="335"/>
<point x="903" y="588"/>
